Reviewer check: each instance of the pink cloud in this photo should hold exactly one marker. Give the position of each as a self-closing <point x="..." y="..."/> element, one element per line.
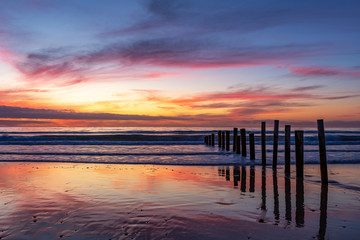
<point x="156" y="74"/>
<point x="324" y="71"/>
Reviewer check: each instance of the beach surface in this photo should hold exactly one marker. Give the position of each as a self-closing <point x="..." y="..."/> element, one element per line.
<point x="136" y="201"/>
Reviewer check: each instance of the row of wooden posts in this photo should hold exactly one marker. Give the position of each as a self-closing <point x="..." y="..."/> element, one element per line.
<point x="239" y="146"/>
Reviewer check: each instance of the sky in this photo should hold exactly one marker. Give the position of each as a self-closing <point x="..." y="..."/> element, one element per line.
<point x="189" y="63"/>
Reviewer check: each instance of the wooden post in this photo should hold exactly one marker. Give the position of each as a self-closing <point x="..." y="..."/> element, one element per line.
<point x="299" y="149"/>
<point x="222" y="140"/>
<point x="238" y="144"/>
<point x="275" y="146"/>
<point x="252" y="146"/>
<point x="287" y="150"/>
<point x="234" y="139"/>
<point x="206" y="140"/>
<point x="243" y="141"/>
<point x="227" y="140"/>
<point x="322" y="151"/>
<point x="219" y="139"/>
<point x="212" y="139"/>
<point x="263" y="143"/>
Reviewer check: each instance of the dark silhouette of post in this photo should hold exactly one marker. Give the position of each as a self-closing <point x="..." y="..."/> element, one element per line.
<point x="263" y="143"/>
<point x="219" y="139"/>
<point x="212" y="139"/>
<point x="236" y="174"/>
<point x="252" y="146"/>
<point x="322" y="151"/>
<point x="223" y="140"/>
<point x="323" y="211"/>
<point x="275" y="143"/>
<point x="276" y="198"/>
<point x="238" y="144"/>
<point x="243" y="141"/>
<point x="235" y="139"/>
<point x="206" y="140"/>
<point x="287" y="199"/>
<point x="243" y="179"/>
<point x="287" y="149"/>
<point x="299" y="149"/>
<point x="227" y="140"/>
<point x="252" y="179"/>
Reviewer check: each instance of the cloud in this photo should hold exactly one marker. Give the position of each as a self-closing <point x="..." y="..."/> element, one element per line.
<point x="156" y="74"/>
<point x="33" y="113"/>
<point x="307" y="88"/>
<point x="324" y="71"/>
<point x="18" y="123"/>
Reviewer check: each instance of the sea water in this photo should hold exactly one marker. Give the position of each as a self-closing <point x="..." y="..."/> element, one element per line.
<point x="161" y="145"/>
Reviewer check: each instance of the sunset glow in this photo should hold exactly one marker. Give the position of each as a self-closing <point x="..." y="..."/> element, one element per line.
<point x="179" y="63"/>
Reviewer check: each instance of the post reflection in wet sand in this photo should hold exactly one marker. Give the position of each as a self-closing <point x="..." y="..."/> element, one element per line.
<point x="276" y="198"/>
<point x="300" y="214"/>
<point x="236" y="174"/>
<point x="243" y="179"/>
<point x="227" y="174"/>
<point x="323" y="211"/>
<point x="263" y="195"/>
<point x="252" y="179"/>
<point x="287" y="199"/>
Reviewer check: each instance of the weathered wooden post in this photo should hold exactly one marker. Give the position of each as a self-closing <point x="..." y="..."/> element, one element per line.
<point x="263" y="143"/>
<point x="252" y="146"/>
<point x="234" y="139"/>
<point x="243" y="141"/>
<point x="287" y="150"/>
<point x="222" y="140"/>
<point x="275" y="144"/>
<point x="227" y="140"/>
<point x="219" y="139"/>
<point x="322" y="151"/>
<point x="213" y="139"/>
<point x="238" y="144"/>
<point x="299" y="149"/>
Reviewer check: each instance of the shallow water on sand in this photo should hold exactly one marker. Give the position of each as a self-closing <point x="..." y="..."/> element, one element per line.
<point x="122" y="201"/>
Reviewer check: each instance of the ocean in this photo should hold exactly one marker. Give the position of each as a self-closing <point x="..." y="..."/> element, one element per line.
<point x="161" y="145"/>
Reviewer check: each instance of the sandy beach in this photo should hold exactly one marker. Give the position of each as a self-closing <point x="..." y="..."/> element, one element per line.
<point x="119" y="201"/>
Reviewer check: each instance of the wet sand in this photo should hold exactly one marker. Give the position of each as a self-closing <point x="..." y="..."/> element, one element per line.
<point x="119" y="201"/>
